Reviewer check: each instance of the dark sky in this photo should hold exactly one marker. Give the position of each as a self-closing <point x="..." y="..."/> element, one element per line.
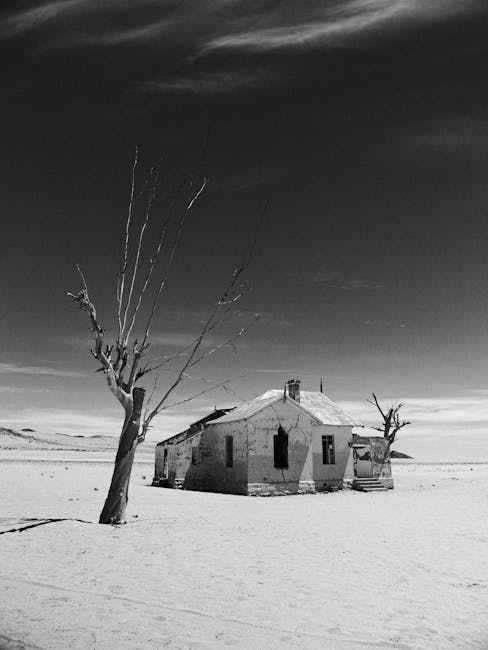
<point x="362" y="123"/>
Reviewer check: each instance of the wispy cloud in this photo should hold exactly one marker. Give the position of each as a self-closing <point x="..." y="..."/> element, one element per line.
<point x="383" y="323"/>
<point x="85" y="23"/>
<point x="455" y="410"/>
<point x="179" y="338"/>
<point x="222" y="24"/>
<point x="279" y="321"/>
<point x="210" y="83"/>
<point x="258" y="175"/>
<point x="75" y="342"/>
<point x="207" y="33"/>
<point x="18" y="369"/>
<point x="448" y="136"/>
<point x="318" y="23"/>
<point x="24" y="389"/>
<point x="36" y="17"/>
<point x="167" y="339"/>
<point x="339" y="279"/>
<point x="285" y="371"/>
<point x="8" y="389"/>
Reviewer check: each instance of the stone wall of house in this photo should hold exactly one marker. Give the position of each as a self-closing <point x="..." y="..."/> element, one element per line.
<point x="158" y="465"/>
<point x="263" y="478"/>
<point x="331" y="476"/>
<point x="211" y="473"/>
<point x="198" y="462"/>
<point x="280" y="489"/>
<point x="179" y="461"/>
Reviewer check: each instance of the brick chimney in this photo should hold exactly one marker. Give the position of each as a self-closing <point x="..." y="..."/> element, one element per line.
<point x="294" y="389"/>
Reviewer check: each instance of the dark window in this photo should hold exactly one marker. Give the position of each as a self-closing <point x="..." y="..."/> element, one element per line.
<point x="328" y="450"/>
<point x="229" y="451"/>
<point x="196" y="456"/>
<point x="280" y="444"/>
<point x="165" y="463"/>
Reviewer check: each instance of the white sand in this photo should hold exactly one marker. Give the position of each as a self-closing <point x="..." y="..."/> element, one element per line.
<point x="403" y="569"/>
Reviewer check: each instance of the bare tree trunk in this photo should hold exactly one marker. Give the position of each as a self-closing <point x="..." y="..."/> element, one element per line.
<point x="122" y="361"/>
<point x="114" y="510"/>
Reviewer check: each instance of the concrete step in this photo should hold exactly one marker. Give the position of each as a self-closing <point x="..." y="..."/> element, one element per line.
<point x="373" y="489"/>
<point x="368" y="485"/>
<point x="367" y="482"/>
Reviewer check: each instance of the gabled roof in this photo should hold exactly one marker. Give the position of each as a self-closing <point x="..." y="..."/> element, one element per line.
<point x="195" y="427"/>
<point x="317" y="405"/>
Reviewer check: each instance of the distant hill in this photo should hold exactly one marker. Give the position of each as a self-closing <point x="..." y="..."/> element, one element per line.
<point x="33" y="440"/>
<point x="399" y="454"/>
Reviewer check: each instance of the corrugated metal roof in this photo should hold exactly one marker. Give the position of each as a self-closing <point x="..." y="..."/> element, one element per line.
<point x="318" y="405"/>
<point x="247" y="409"/>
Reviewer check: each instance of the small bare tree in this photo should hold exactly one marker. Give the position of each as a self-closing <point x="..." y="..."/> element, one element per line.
<point x="122" y="361"/>
<point x="391" y="421"/>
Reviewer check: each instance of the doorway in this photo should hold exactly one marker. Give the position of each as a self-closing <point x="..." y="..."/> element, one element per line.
<point x="363" y="467"/>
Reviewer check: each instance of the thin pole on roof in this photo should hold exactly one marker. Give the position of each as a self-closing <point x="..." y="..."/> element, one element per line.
<point x="321" y="386"/>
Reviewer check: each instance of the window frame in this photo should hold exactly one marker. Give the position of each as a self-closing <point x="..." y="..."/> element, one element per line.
<point x="196" y="455"/>
<point x="165" y="463"/>
<point x="328" y="450"/>
<point x="229" y="452"/>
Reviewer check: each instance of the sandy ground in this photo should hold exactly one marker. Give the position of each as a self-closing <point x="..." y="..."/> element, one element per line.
<point x="403" y="569"/>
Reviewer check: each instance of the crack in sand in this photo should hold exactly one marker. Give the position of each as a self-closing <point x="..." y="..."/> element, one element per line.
<point x="195" y="612"/>
<point x="25" y="524"/>
<point x="8" y="643"/>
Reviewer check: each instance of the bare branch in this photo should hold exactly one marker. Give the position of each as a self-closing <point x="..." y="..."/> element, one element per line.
<point x="391" y="420"/>
<point x="147" y="420"/>
<point x="193" y="197"/>
<point x="135" y="373"/>
<point x="152" y="263"/>
<point x="103" y="356"/>
<point x="192" y="397"/>
<point x="124" y="257"/>
<point x="216" y="348"/>
<point x="403" y="424"/>
<point x="196" y="195"/>
<point x="185" y="350"/>
<point x="376" y="403"/>
<point x="193" y="357"/>
<point x="151" y="394"/>
<point x="85" y="287"/>
<point x="154" y="178"/>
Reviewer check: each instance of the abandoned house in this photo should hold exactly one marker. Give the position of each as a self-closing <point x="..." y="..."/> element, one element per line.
<point x="281" y="442"/>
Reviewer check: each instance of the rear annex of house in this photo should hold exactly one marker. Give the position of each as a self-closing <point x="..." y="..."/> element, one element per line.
<point x="281" y="442"/>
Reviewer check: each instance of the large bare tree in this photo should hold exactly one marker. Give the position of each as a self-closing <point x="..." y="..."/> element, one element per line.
<point x="141" y="279"/>
<point x="391" y="423"/>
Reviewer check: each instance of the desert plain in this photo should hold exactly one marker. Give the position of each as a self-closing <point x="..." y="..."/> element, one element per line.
<point x="404" y="569"/>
